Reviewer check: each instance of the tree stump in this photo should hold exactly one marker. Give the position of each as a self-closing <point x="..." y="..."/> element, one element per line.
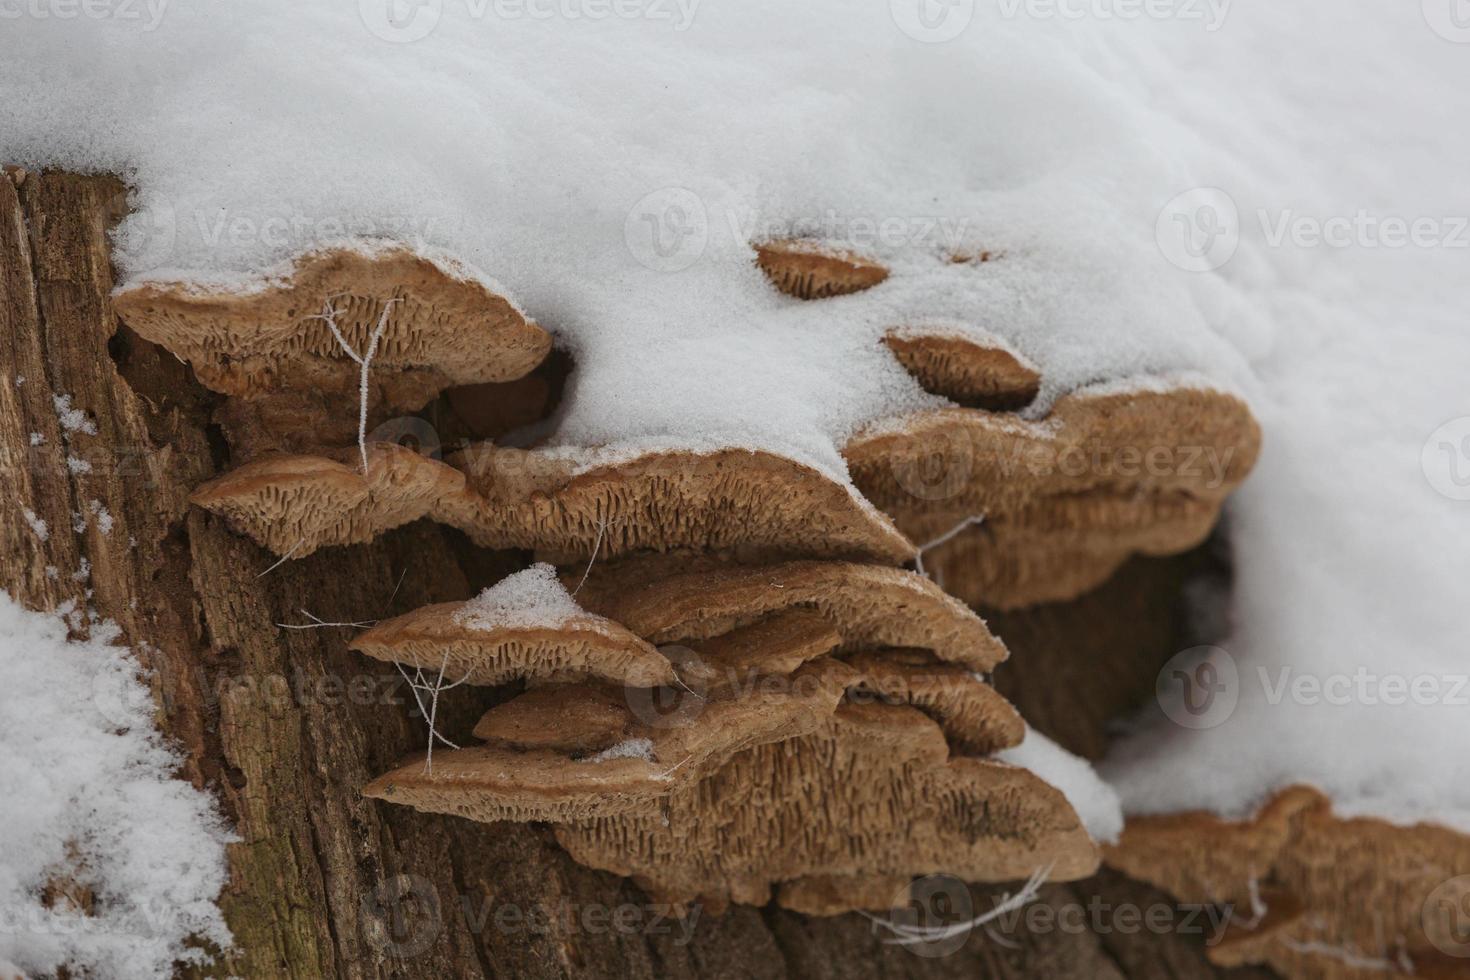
<point x="286" y="726"/>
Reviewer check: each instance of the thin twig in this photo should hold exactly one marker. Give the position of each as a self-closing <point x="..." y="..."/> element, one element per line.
<point x="596" y="546"/>
<point x="947" y="535"/>
<point x="908" y="935"/>
<point x="389" y="604"/>
<point x="431" y="713"/>
<point x="282" y="560"/>
<point x="329" y="316"/>
<point x="318" y="623"/>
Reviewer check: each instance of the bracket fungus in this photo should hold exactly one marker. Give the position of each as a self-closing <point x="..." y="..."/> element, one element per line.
<point x="581" y="646"/>
<point x="294" y="505"/>
<point x="711" y="789"/>
<point x="748" y="504"/>
<point x="1285" y="871"/>
<point x="808" y="269"/>
<point x="733" y="502"/>
<point x="972" y="374"/>
<point x="440" y="327"/>
<point x="973" y="715"/>
<point x="1065" y="500"/>
<point x="870" y="606"/>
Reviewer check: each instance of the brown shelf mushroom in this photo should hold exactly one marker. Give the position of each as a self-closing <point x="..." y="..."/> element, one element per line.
<point x="294" y="505"/>
<point x="973" y="715"/>
<point x="869" y="605"/>
<point x="573" y="718"/>
<point x="492" y="783"/>
<point x="967" y="372"/>
<point x="443" y="328"/>
<point x="761" y="766"/>
<point x="1064" y="501"/>
<point x="749" y="504"/>
<point x="810" y="270"/>
<point x="760" y="790"/>
<point x="771" y="647"/>
<point x="582" y="647"/>
<point x="1312" y="894"/>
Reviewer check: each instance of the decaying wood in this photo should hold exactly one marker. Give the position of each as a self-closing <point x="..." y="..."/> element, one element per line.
<point x="285" y="726"/>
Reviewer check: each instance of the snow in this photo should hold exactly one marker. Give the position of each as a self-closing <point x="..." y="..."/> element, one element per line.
<point x="610" y="174"/>
<point x="1350" y="555"/>
<point x="36" y="524"/>
<point x="1094" y="800"/>
<point x="532" y="597"/>
<point x="90" y="797"/>
<point x="73" y="419"/>
<point x="630" y="748"/>
<point x="555" y="182"/>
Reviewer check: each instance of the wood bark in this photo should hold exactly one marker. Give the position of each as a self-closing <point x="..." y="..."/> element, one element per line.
<point x="284" y="726"/>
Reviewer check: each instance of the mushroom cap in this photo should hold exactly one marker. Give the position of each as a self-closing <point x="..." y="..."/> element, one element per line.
<point x="749" y="504"/>
<point x="444" y="328"/>
<point x="1329" y="884"/>
<point x="974" y="716"/>
<point x="1065" y="501"/>
<point x="808" y="269"/>
<point x="574" y="718"/>
<point x="491" y="783"/>
<point x="297" y="504"/>
<point x="583" y="647"/>
<point x="975" y="375"/>
<point x="736" y="502"/>
<point x="798" y="807"/>
<point x="869" y="605"/>
<point x="774" y="646"/>
<point x="763" y="789"/>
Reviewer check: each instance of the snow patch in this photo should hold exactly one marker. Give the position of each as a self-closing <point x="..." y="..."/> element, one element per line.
<point x="72" y="419"/>
<point x="37" y="525"/>
<point x="1094" y="800"/>
<point x="631" y="748"/>
<point x="90" y="797"/>
<point x="532" y="597"/>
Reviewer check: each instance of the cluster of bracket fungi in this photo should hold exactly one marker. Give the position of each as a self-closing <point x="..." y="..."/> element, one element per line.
<point x="834" y="731"/>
